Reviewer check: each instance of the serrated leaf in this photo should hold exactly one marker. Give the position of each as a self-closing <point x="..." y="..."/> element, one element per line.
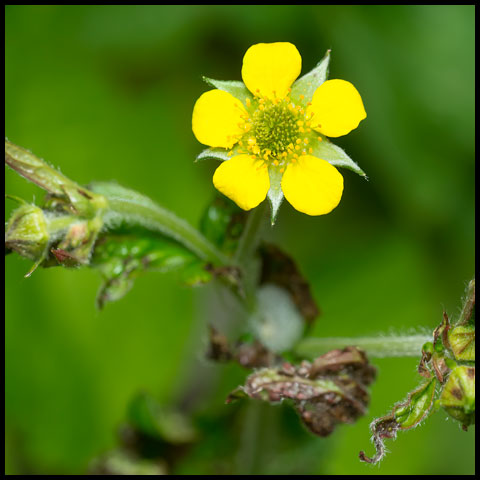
<point x="334" y="155"/>
<point x="308" y="83"/>
<point x="234" y="87"/>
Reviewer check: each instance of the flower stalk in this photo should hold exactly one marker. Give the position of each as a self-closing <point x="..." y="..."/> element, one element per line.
<point x="135" y="209"/>
<point x="102" y="206"/>
<point x="380" y="346"/>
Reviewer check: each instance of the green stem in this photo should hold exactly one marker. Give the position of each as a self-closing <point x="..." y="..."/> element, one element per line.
<point x="244" y="255"/>
<point x="251" y="235"/>
<point x="58" y="223"/>
<point x="133" y="208"/>
<point x="249" y="449"/>
<point x="375" y="347"/>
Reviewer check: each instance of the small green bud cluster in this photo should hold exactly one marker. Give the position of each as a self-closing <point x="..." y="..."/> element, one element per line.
<point x="27" y="232"/>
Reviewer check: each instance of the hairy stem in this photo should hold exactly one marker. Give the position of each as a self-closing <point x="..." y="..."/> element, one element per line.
<point x="135" y="209"/>
<point x="386" y="346"/>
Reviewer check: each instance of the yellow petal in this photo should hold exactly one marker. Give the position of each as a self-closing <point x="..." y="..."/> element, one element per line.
<point x="269" y="69"/>
<point x="218" y="119"/>
<point x="337" y="108"/>
<point x="312" y="185"/>
<point x="244" y="180"/>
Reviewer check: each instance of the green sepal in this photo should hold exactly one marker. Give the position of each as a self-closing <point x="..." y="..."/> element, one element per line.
<point x="467" y="315"/>
<point x="458" y="395"/>
<point x="417" y="406"/>
<point x="218" y="153"/>
<point x="27" y="232"/>
<point x="275" y="194"/>
<point x="308" y="83"/>
<point x="404" y="415"/>
<point x="213" y="154"/>
<point x="462" y="342"/>
<point x="234" y="87"/>
<point x="334" y="155"/>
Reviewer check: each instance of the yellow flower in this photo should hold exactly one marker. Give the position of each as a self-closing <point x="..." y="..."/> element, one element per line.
<point x="270" y="131"/>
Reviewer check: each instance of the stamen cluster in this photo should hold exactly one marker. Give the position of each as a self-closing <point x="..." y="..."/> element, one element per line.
<point x="276" y="131"/>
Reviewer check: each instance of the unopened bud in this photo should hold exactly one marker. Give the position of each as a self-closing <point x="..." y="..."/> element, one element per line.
<point x="458" y="395"/>
<point x="27" y="232"/>
<point x="462" y="342"/>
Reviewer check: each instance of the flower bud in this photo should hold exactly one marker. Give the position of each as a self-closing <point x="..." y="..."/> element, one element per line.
<point x="458" y="395"/>
<point x="462" y="342"/>
<point x="27" y="232"/>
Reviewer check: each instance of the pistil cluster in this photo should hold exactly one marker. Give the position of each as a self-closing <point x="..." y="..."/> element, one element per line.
<point x="277" y="131"/>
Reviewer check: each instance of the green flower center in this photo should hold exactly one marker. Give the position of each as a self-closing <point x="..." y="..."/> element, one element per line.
<point x="275" y="127"/>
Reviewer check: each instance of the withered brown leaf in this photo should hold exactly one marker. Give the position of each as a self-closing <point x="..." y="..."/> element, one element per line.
<point x="329" y="391"/>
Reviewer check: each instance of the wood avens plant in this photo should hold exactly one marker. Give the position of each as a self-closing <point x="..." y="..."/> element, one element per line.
<point x="271" y="133"/>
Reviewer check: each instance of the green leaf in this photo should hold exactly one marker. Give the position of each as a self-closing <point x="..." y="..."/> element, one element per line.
<point x="308" y="83"/>
<point x="234" y="87"/>
<point x="195" y="274"/>
<point x="73" y="196"/>
<point x="334" y="155"/>
<point x="223" y="223"/>
<point x="120" y="258"/>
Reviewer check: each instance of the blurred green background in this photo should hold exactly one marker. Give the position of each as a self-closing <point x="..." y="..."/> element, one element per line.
<point x="106" y="92"/>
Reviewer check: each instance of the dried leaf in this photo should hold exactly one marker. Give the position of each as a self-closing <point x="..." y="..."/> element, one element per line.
<point x="247" y="354"/>
<point x="324" y="395"/>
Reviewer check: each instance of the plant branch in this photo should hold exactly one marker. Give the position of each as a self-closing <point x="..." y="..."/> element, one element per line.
<point x="133" y="208"/>
<point x="386" y="346"/>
